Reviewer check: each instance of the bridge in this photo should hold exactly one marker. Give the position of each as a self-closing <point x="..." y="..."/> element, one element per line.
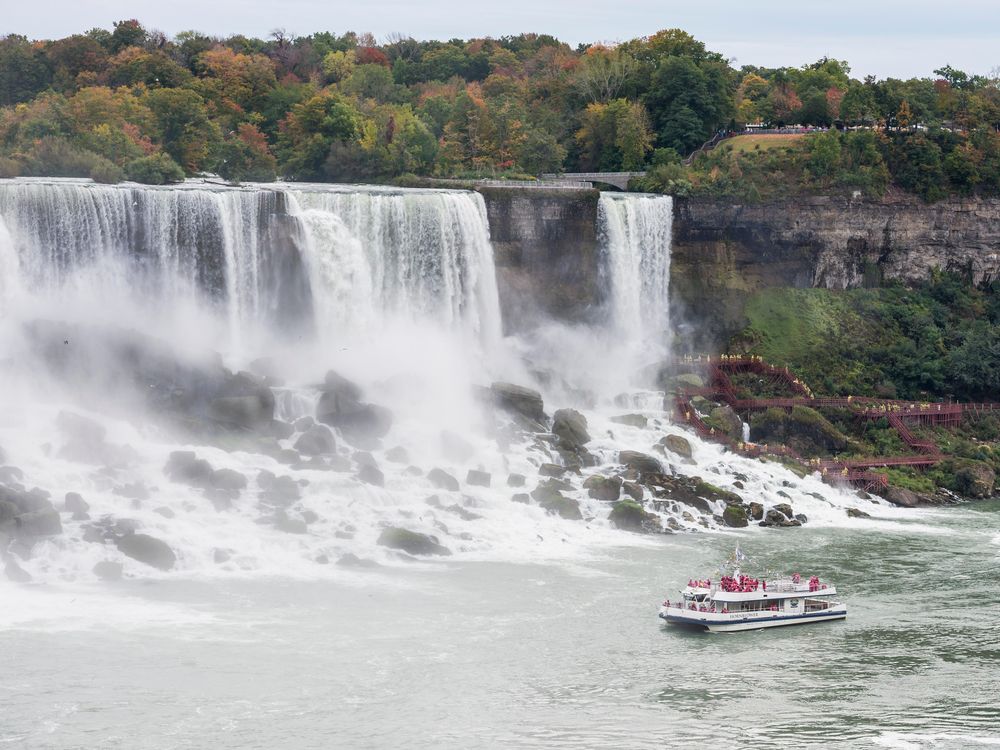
<point x="618" y="179"/>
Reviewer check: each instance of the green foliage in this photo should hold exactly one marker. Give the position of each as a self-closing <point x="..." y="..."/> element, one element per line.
<point x="158" y="169"/>
<point x="934" y="341"/>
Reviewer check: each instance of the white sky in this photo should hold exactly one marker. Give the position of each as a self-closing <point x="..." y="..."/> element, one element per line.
<point x="899" y="38"/>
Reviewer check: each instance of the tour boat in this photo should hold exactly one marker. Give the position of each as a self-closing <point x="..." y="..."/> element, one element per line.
<point x="739" y="602"/>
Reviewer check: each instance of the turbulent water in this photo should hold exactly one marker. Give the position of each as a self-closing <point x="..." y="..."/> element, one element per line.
<point x="394" y="290"/>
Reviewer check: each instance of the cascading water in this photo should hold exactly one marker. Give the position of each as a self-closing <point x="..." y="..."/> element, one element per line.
<point x="636" y="230"/>
<point x="394" y="289"/>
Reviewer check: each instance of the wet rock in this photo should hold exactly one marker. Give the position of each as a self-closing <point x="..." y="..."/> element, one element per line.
<point x="521" y="497"/>
<point x="801" y="517"/>
<point x="442" y="480"/>
<point x="634" y="491"/>
<point x="370" y="474"/>
<point x="631" y="420"/>
<point x="782" y="493"/>
<point x="15" y="572"/>
<point x="397" y="455"/>
<point x="731" y="423"/>
<point x="185" y="467"/>
<point x="282" y="522"/>
<point x="735" y="516"/>
<point x="515" y="480"/>
<point x="775" y="517"/>
<point x="302" y="424"/>
<point x="277" y="490"/>
<point x="689" y="380"/>
<point x="607" y="489"/>
<point x="147" y="549"/>
<point x="362" y="424"/>
<point x="521" y="401"/>
<point x="641" y="462"/>
<point x="310" y="516"/>
<point x="349" y="560"/>
<point x="756" y="511"/>
<point x="411" y="542"/>
<point x="551" y="470"/>
<point x="976" y="480"/>
<point x="456" y="448"/>
<point x="38" y="523"/>
<point x="227" y="480"/>
<point x="318" y="440"/>
<point x="785" y="509"/>
<point x="855" y="513"/>
<point x="280" y="430"/>
<point x="10" y="475"/>
<point x="629" y="515"/>
<point x="676" y="444"/>
<point x="570" y="426"/>
<point x="558" y="504"/>
<point x="478" y="478"/>
<point x="75" y="504"/>
<point x="108" y="570"/>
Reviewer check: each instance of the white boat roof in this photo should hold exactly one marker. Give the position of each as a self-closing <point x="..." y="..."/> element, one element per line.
<point x="779" y="589"/>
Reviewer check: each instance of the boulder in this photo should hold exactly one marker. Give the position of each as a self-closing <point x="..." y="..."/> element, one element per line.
<point x="411" y="542"/>
<point x="570" y="426"/>
<point x="804" y="430"/>
<point x="227" y="480"/>
<point x="676" y="444"/>
<point x="108" y="570"/>
<point x="277" y="490"/>
<point x="515" y="480"/>
<point x="629" y="515"/>
<point x="147" y="549"/>
<point x="15" y="572"/>
<point x="756" y="511"/>
<point x="442" y="480"/>
<point x="75" y="504"/>
<point x="551" y="470"/>
<point x="729" y="420"/>
<point x="340" y="405"/>
<point x="903" y="497"/>
<point x="785" y="509"/>
<point x="689" y="380"/>
<point x="558" y="504"/>
<point x="397" y="455"/>
<point x="185" y="467"/>
<point x="519" y="400"/>
<point x="607" y="489"/>
<point x="521" y="497"/>
<point x="349" y="560"/>
<point x="318" y="440"/>
<point x="855" y="513"/>
<point x="370" y="474"/>
<point x="641" y="462"/>
<point x="478" y="478"/>
<point x="976" y="480"/>
<point x="631" y="420"/>
<point x="634" y="491"/>
<point x="735" y="516"/>
<point x="775" y="517"/>
<point x="39" y="523"/>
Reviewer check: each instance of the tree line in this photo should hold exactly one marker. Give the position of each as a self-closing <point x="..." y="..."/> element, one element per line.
<point x="131" y="103"/>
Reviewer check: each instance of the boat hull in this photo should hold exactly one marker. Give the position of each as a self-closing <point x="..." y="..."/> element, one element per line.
<point x="728" y="626"/>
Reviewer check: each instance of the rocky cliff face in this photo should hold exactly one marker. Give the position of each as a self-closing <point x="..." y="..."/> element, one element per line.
<point x="547" y="253"/>
<point x="723" y="251"/>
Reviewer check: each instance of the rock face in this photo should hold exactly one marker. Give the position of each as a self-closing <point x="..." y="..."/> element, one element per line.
<point x="975" y="481"/>
<point x="547" y="253"/>
<point x="724" y="251"/>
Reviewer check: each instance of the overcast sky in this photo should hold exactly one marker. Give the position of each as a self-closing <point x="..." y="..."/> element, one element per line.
<point x="900" y="38"/>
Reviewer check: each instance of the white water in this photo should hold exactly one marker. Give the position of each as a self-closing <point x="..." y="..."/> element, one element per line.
<point x="402" y="295"/>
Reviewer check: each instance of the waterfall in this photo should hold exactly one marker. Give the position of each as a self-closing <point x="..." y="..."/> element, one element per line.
<point x="636" y="232"/>
<point x="368" y="253"/>
<point x="373" y="253"/>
